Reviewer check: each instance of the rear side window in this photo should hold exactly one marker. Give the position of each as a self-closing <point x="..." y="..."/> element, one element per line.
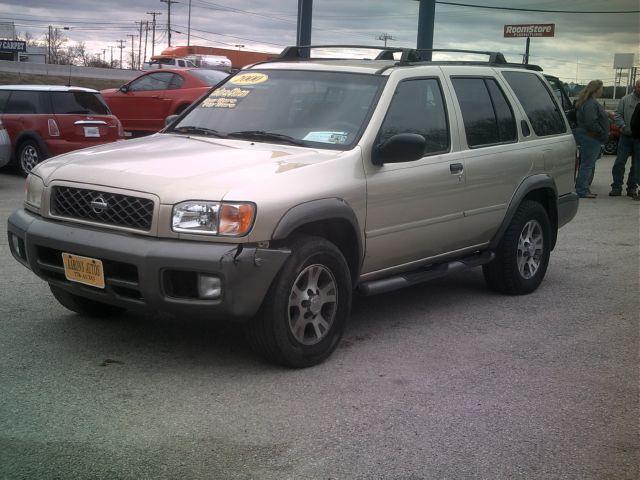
<point x="153" y="81"/>
<point x="487" y="116"/>
<point x="538" y="104"/>
<point x="79" y="103"/>
<point x="26" y="102"/>
<point x="418" y="107"/>
<point x="176" y="82"/>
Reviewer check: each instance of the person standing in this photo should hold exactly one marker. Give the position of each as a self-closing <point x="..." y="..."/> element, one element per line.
<point x="627" y="146"/>
<point x="591" y="132"/>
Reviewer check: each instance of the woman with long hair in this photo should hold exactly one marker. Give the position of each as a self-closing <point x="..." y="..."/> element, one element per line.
<point x="591" y="132"/>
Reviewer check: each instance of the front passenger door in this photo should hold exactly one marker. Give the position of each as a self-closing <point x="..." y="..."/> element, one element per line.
<point x="415" y="209"/>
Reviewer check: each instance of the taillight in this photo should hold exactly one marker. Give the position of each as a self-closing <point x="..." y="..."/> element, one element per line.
<point x="54" y="131"/>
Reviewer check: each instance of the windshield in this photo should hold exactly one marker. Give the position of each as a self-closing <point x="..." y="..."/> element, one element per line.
<point x="210" y="77"/>
<point x="323" y="109"/>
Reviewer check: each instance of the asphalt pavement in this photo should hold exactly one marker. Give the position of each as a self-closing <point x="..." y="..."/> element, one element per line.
<point x="444" y="380"/>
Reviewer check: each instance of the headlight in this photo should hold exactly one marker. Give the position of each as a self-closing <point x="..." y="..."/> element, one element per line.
<point x="34" y="189"/>
<point x="213" y="218"/>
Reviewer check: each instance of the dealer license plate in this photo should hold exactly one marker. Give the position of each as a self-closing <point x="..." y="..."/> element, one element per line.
<point x="83" y="270"/>
<point x="91" y="132"/>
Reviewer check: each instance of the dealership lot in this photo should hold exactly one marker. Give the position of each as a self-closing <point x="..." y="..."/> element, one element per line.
<point x="442" y="380"/>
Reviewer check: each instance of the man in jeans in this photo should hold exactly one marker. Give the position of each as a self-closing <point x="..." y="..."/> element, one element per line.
<point x="626" y="144"/>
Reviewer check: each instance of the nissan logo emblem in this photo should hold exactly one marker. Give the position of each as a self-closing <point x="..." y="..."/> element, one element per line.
<point x="98" y="205"/>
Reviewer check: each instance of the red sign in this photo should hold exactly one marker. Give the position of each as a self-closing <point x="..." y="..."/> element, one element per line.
<point x="530" y="30"/>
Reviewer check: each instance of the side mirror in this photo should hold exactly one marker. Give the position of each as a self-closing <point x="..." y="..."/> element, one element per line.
<point x="124" y="88"/>
<point x="170" y="119"/>
<point x="402" y="147"/>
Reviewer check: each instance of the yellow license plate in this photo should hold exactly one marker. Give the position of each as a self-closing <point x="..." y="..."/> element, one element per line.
<point x="83" y="270"/>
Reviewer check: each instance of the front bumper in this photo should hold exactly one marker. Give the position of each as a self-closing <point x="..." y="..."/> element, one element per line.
<point x="136" y="267"/>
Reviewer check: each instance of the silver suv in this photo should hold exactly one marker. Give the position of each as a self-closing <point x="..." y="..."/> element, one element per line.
<point x="301" y="180"/>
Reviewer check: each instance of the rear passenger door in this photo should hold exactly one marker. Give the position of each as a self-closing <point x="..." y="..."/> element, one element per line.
<point x="415" y="209"/>
<point x="495" y="164"/>
<point x="27" y="110"/>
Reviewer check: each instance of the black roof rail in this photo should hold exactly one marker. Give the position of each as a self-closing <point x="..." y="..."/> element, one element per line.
<point x="409" y="56"/>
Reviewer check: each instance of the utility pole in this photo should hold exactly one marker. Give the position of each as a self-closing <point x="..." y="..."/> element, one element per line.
<point x="146" y="37"/>
<point x="49" y="44"/>
<point x="189" y="26"/>
<point x="385" y="37"/>
<point x="111" y="63"/>
<point x="153" y="34"/>
<point x="104" y="55"/>
<point x="133" y="52"/>
<point x="140" y="45"/>
<point x="169" y="2"/>
<point x="121" y="46"/>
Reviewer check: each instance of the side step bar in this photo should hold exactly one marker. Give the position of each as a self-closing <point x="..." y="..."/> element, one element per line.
<point x="406" y="279"/>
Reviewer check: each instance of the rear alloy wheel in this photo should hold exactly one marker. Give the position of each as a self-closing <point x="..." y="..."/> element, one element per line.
<point x="29" y="155"/>
<point x="523" y="253"/>
<point x="306" y="308"/>
<point x="84" y="306"/>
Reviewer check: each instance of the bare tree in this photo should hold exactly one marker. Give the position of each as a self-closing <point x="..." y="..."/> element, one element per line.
<point x="30" y="40"/>
<point x="80" y="54"/>
<point x="55" y="40"/>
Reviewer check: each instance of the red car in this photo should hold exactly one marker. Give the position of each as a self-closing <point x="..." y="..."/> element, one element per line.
<point x="143" y="104"/>
<point x="43" y="121"/>
<point x="611" y="145"/>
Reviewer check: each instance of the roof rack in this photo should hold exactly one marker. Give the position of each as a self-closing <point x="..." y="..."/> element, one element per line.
<point x="409" y="56"/>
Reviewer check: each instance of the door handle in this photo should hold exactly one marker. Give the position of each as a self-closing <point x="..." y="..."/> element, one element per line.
<point x="456" y="168"/>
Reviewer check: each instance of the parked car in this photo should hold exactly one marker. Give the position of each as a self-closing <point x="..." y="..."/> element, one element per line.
<point x="611" y="145"/>
<point x="167" y="62"/>
<point x="43" y="121"/>
<point x="143" y="104"/>
<point x="302" y="179"/>
<point x="560" y="91"/>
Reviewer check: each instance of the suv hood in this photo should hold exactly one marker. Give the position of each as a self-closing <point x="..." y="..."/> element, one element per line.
<point x="180" y="167"/>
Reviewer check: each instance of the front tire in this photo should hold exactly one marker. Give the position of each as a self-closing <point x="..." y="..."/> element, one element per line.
<point x="84" y="306"/>
<point x="306" y="308"/>
<point x="29" y="155"/>
<point x="523" y="253"/>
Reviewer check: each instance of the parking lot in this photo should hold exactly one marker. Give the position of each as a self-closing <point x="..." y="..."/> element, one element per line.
<point x="441" y="380"/>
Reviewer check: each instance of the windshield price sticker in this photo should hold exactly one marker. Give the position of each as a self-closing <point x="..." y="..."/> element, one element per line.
<point x="220" y="103"/>
<point x="249" y="79"/>
<point x="327" y="137"/>
<point x="230" y="93"/>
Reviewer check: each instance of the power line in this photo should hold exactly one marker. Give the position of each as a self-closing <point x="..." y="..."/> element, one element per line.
<point x="514" y="9"/>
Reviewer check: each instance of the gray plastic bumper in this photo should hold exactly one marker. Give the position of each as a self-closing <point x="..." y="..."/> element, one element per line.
<point x="246" y="272"/>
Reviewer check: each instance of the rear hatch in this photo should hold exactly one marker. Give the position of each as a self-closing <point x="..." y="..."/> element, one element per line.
<point x="84" y="117"/>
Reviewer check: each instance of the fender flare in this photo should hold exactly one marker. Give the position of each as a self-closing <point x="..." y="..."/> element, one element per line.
<point x="31" y="135"/>
<point x="528" y="185"/>
<point x="315" y="211"/>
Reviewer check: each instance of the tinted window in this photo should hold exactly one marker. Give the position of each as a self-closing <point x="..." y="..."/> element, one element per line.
<point x="4" y="96"/>
<point x="78" y="102"/>
<point x="504" y="115"/>
<point x="22" y="101"/>
<point x="210" y="77"/>
<point x="477" y="111"/>
<point x="559" y="92"/>
<point x="418" y="107"/>
<point x="543" y="113"/>
<point x="153" y="81"/>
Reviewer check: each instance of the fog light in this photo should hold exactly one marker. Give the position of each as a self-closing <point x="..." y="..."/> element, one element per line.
<point x="17" y="245"/>
<point x="209" y="286"/>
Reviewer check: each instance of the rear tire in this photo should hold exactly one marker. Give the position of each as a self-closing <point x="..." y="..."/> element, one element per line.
<point x="84" y="306"/>
<point x="306" y="308"/>
<point x="523" y="253"/>
<point x="29" y="155"/>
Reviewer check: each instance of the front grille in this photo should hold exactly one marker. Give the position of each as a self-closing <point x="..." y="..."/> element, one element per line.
<point x="108" y="208"/>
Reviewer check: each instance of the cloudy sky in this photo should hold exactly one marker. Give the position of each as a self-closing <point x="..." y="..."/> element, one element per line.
<point x="582" y="49"/>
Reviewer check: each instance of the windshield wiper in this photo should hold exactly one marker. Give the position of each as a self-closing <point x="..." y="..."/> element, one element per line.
<point x="199" y="131"/>
<point x="262" y="135"/>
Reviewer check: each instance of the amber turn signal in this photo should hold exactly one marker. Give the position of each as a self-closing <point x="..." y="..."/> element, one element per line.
<point x="236" y="219"/>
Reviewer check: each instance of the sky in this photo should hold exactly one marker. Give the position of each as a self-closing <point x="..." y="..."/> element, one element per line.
<point x="582" y="49"/>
